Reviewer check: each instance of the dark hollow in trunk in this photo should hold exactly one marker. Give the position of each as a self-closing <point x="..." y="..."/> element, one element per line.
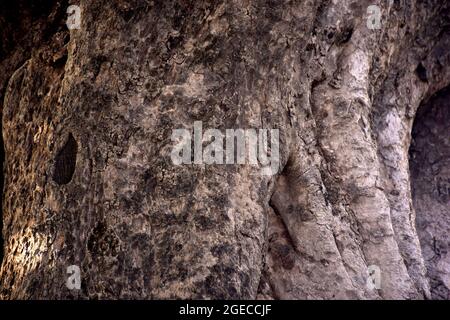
<point x="430" y="182"/>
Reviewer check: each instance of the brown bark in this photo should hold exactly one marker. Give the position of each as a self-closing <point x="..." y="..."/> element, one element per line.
<point x="87" y="118"/>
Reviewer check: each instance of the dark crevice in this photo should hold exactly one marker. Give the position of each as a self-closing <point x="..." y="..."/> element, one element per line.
<point x="65" y="162"/>
<point x="429" y="161"/>
<point x="421" y="72"/>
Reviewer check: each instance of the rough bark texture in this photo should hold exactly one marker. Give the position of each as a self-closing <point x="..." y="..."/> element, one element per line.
<point x="87" y="117"/>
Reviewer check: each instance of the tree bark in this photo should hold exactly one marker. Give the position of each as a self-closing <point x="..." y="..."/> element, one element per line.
<point x="87" y="119"/>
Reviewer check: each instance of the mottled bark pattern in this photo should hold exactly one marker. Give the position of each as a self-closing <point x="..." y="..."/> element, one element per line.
<point x="87" y="117"/>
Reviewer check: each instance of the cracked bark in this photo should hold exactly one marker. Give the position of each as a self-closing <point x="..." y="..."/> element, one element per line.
<point x="87" y="117"/>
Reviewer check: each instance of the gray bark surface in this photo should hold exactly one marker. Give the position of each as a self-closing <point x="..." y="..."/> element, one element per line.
<point x="87" y="118"/>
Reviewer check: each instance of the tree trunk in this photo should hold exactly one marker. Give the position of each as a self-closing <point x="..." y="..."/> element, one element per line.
<point x="87" y="121"/>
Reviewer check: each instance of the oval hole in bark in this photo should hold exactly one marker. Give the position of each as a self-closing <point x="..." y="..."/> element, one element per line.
<point x="429" y="164"/>
<point x="421" y="72"/>
<point x="65" y="162"/>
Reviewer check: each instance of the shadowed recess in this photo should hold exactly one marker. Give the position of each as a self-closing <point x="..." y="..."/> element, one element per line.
<point x="430" y="184"/>
<point x="65" y="162"/>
